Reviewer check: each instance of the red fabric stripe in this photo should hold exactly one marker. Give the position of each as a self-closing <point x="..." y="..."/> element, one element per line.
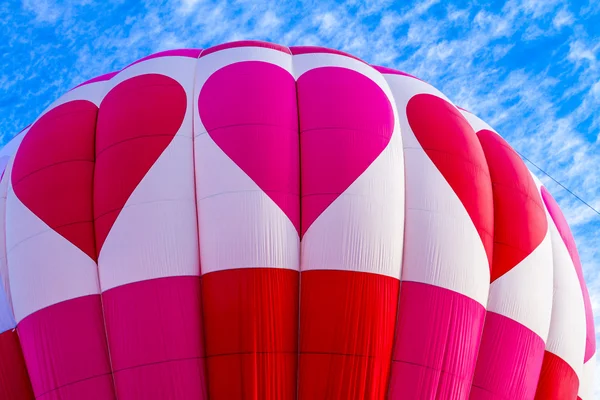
<point x="346" y="334"/>
<point x="509" y="360"/>
<point x="65" y="345"/>
<point x="155" y="334"/>
<point x="14" y="380"/>
<point x="251" y="332"/>
<point x="558" y="381"/>
<point x="437" y="339"/>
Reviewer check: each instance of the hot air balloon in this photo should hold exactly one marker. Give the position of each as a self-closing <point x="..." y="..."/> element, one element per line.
<point x="254" y="221"/>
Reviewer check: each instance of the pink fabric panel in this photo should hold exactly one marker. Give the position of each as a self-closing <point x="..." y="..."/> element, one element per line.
<point x="346" y="121"/>
<point x="155" y="337"/>
<point x="245" y="43"/>
<point x="511" y="357"/>
<point x="264" y="144"/>
<point x="440" y="331"/>
<point x="567" y="236"/>
<point x="69" y="340"/>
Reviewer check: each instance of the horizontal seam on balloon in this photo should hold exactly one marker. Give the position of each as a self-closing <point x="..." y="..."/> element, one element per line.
<point x="59" y="302"/>
<point x="487" y="390"/>
<point x="480" y="166"/>
<point x="72" y="383"/>
<point x="259" y="190"/>
<point x="171" y="360"/>
<point x="343" y="128"/>
<point x="298" y="353"/>
<point x="538" y="204"/>
<point x="99" y="153"/>
<point x="430" y="368"/>
<point x="50" y="229"/>
<point x="56" y="115"/>
<point x="246" y="124"/>
<point x="445" y="213"/>
<point x="119" y="209"/>
<point x="49" y="166"/>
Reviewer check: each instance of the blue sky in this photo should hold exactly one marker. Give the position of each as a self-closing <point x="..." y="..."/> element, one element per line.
<point x="531" y="68"/>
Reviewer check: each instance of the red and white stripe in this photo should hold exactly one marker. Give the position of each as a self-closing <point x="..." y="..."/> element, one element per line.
<point x="353" y="218"/>
<point x="247" y="190"/>
<point x="447" y="245"/>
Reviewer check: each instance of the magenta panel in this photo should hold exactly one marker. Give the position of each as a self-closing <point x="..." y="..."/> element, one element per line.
<point x="437" y="360"/>
<point x="66" y="352"/>
<point x="509" y="360"/>
<point x="155" y="337"/>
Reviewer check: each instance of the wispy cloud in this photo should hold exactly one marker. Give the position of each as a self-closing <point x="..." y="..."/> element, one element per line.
<point x="531" y="68"/>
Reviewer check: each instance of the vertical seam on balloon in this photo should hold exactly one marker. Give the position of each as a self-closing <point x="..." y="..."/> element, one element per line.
<point x="100" y="294"/>
<point x="201" y="316"/>
<point x="397" y="121"/>
<point x="300" y="235"/>
<point x="7" y="290"/>
<point x="5" y="255"/>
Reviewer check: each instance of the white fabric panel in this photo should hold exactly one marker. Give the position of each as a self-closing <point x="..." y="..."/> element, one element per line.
<point x="4" y="279"/>
<point x="239" y="225"/>
<point x="476" y="123"/>
<point x="567" y="333"/>
<point x="586" y="383"/>
<point x="441" y="243"/>
<point x="7" y="320"/>
<point x="155" y="234"/>
<point x="44" y="267"/>
<point x="524" y="293"/>
<point x="363" y="229"/>
<point x="8" y="152"/>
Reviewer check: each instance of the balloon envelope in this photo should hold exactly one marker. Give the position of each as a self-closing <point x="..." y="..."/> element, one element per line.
<point x="266" y="222"/>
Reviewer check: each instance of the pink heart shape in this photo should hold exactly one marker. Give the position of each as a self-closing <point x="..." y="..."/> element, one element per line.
<point x="346" y="121"/>
<point x="54" y="169"/>
<point x="137" y="120"/>
<point x="249" y="110"/>
<point x="452" y="145"/>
